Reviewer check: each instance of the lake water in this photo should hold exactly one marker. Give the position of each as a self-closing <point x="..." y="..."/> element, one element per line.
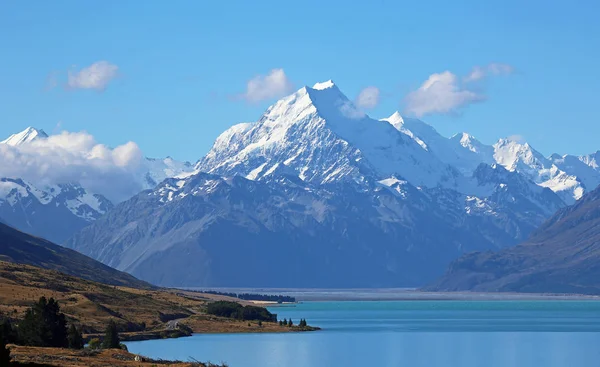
<point x="408" y="333"/>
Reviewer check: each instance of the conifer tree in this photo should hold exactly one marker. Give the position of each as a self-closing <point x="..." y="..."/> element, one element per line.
<point x="4" y="352"/>
<point x="111" y="337"/>
<point x="7" y="332"/>
<point x="44" y="325"/>
<point x="74" y="337"/>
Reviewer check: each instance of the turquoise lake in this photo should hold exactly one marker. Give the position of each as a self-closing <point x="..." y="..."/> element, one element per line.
<point x="408" y="333"/>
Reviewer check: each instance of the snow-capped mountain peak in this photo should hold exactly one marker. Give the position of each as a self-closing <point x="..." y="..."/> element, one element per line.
<point x="395" y="119"/>
<point x="469" y="142"/>
<point x="521" y="157"/>
<point x="510" y="153"/>
<point x="324" y="85"/>
<point x="318" y="135"/>
<point x="26" y="136"/>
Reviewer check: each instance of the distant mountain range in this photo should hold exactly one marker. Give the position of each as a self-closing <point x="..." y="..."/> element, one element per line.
<point x="562" y="256"/>
<point x="318" y="194"/>
<point x="57" y="211"/>
<point x="314" y="184"/>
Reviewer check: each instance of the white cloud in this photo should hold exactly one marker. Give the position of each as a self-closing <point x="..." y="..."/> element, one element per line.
<point x="444" y="93"/>
<point x="273" y="85"/>
<point x="76" y="157"/>
<point x="349" y="110"/>
<point x="477" y="73"/>
<point x="440" y="94"/>
<point x="482" y="72"/>
<point x="368" y="98"/>
<point x="96" y="76"/>
<point x="500" y="69"/>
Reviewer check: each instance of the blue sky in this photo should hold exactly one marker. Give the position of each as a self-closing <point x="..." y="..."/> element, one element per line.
<point x="183" y="65"/>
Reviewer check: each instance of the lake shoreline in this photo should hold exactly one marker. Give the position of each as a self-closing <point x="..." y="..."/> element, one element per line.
<point x="403" y="294"/>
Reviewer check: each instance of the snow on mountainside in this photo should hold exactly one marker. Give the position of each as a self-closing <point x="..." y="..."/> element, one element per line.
<point x="521" y="157"/>
<point x="587" y="175"/>
<point x="318" y="135"/>
<point x="28" y="135"/>
<point x="465" y="154"/>
<point x="568" y="177"/>
<point x="53" y="212"/>
<point x="591" y="160"/>
<point x="157" y="170"/>
<point x="584" y="167"/>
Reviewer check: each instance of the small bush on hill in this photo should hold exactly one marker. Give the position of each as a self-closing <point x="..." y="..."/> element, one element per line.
<point x="95" y="344"/>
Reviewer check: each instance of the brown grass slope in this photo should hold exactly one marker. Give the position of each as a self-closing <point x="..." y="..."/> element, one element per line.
<point x="91" y="305"/>
<point x="562" y="256"/>
<point x="19" y="247"/>
<point x="87" y="303"/>
<point x="46" y="357"/>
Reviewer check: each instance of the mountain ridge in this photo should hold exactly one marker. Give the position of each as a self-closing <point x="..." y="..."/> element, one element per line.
<point x="320" y="182"/>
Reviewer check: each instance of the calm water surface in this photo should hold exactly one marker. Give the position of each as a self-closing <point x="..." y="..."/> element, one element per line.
<point x="408" y="333"/>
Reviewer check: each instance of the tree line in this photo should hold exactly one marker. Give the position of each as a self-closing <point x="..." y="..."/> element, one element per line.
<point x="234" y="310"/>
<point x="45" y="326"/>
<point x="255" y="297"/>
<point x="286" y="322"/>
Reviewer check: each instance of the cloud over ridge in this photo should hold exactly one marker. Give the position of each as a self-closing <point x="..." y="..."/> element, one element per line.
<point x="76" y="157"/>
<point x="264" y="87"/>
<point x="446" y="93"/>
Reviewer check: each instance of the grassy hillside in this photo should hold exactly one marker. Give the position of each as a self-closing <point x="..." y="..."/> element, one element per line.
<point x="144" y="313"/>
<point x="19" y="247"/>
